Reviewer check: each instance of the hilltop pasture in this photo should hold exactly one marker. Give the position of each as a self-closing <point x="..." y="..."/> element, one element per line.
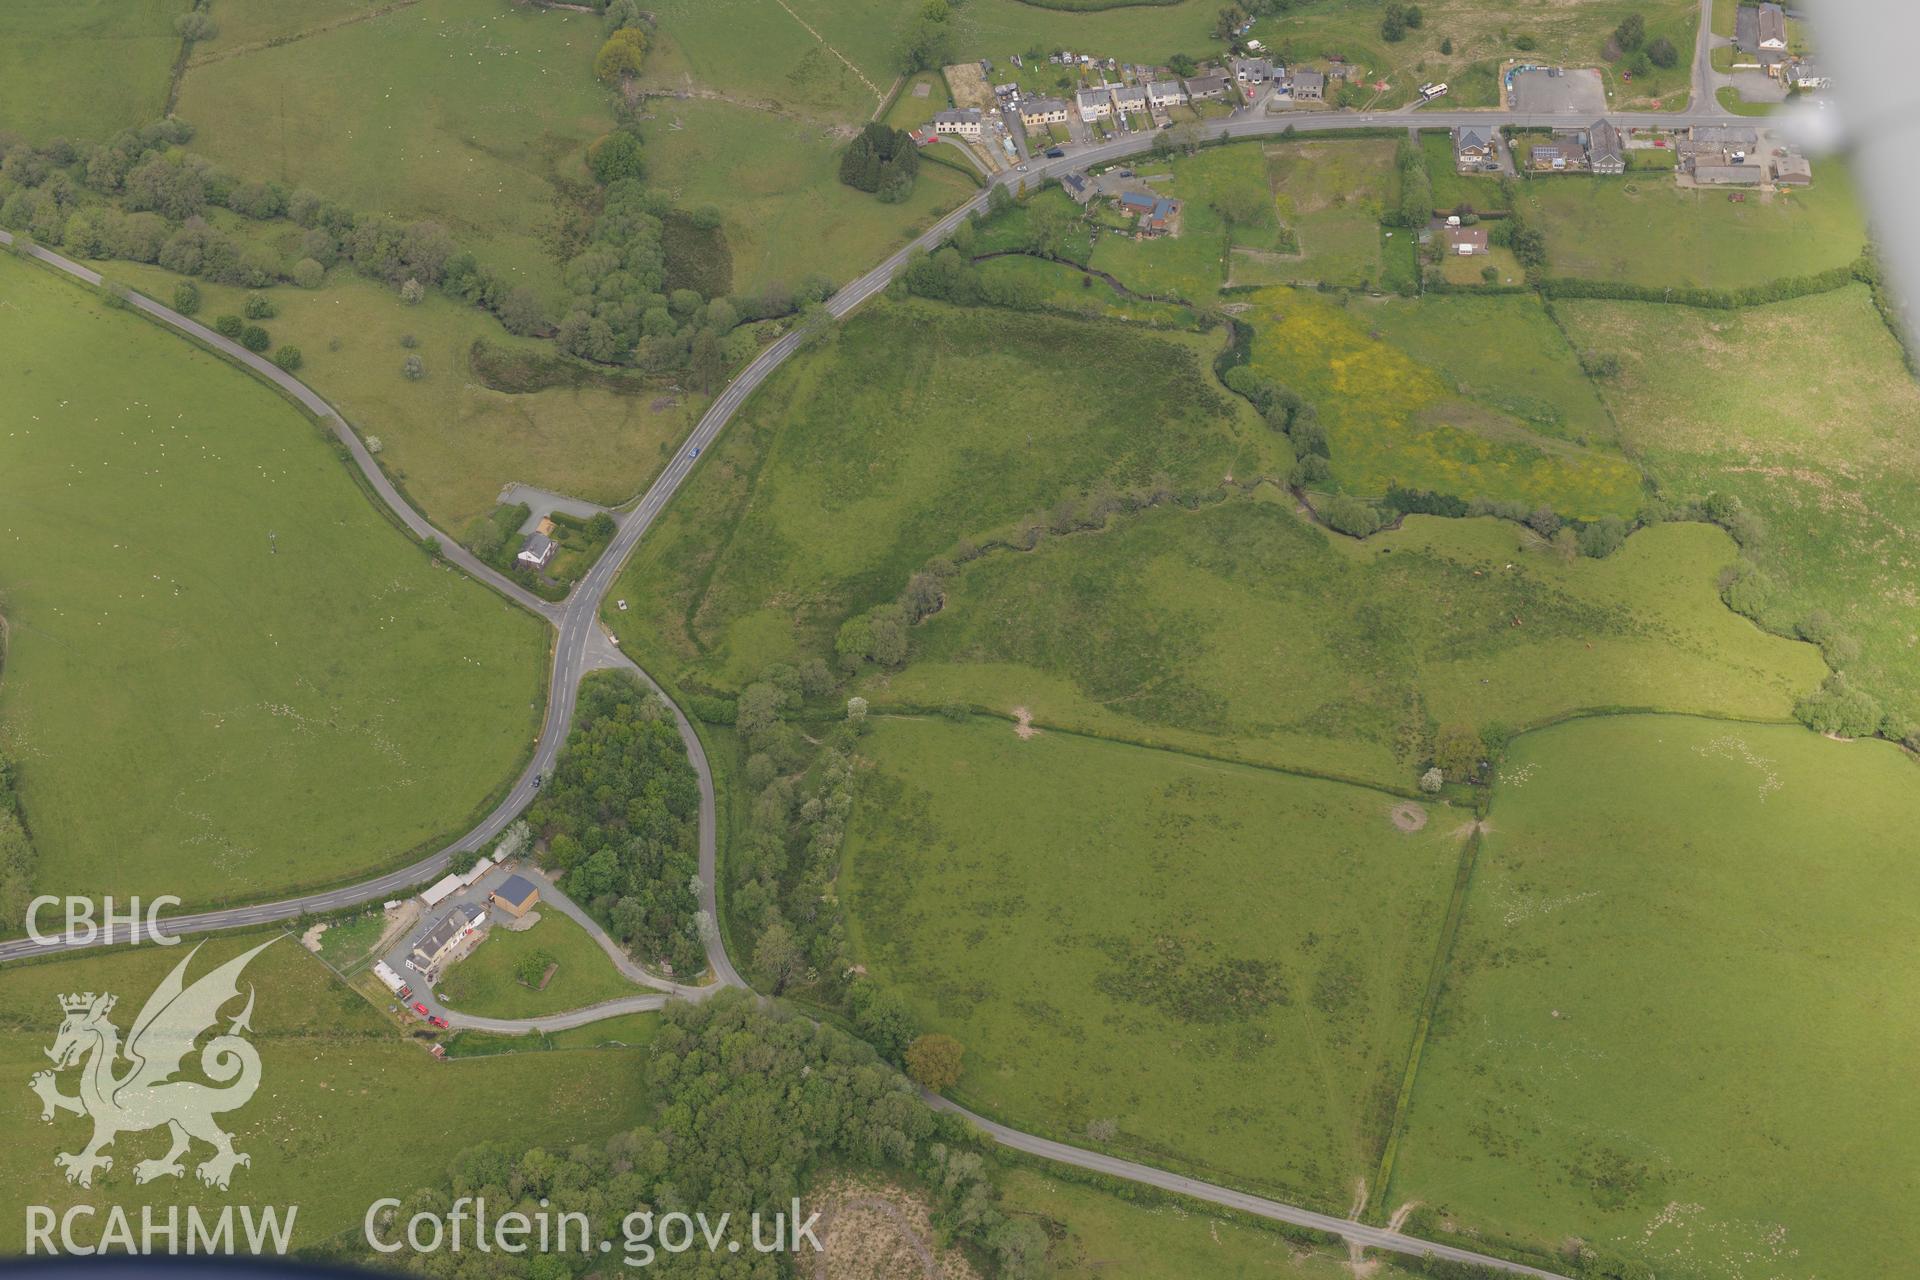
<point x="1130" y="935"/>
<point x="1671" y="1027"/>
<point x="273" y="684"/>
<point x="1240" y="629"/>
<point x="1829" y="470"/>
<point x="468" y="112"/>
<point x="910" y="430"/>
<point x="85" y="69"/>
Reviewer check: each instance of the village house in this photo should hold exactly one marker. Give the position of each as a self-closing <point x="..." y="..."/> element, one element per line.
<point x="1166" y="93"/>
<point x="1208" y="86"/>
<point x="443" y="941"/>
<point x="536" y="552"/>
<point x="1473" y="148"/>
<point x="1094" y="104"/>
<point x="1606" y="152"/>
<point x="1309" y="86"/>
<point x="1128" y="99"/>
<point x="1037" y="112"/>
<point x="962" y="122"/>
<point x="1802" y="74"/>
<point x="1251" y="71"/>
<point x="1079" y="187"/>
<point x="1465" y="241"/>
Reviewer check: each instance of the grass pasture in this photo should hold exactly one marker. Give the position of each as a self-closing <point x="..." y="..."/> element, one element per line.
<point x="1241" y="630"/>
<point x="1672" y="1026"/>
<point x="1831" y="467"/>
<point x="85" y="69"/>
<point x="451" y="439"/>
<point x="822" y="59"/>
<point x="464" y="111"/>
<point x="213" y="626"/>
<point x="1095" y="1235"/>
<point x="485" y="984"/>
<point x="1392" y="418"/>
<point x="1642" y="229"/>
<point x="349" y="1108"/>
<point x="912" y="429"/>
<point x="1123" y="934"/>
<point x="775" y="179"/>
<point x="1146" y="33"/>
<point x="1564" y="35"/>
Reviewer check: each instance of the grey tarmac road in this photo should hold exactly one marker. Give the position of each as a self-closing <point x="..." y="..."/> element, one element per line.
<point x="582" y="645"/>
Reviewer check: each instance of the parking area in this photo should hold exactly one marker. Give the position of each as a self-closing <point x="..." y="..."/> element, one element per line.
<point x="1557" y="91"/>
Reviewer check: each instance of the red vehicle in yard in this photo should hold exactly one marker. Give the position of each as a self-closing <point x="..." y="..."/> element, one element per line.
<point x="421" y="1010"/>
<point x="437" y="1021"/>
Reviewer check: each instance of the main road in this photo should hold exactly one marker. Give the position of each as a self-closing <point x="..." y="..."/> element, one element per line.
<point x="582" y="645"/>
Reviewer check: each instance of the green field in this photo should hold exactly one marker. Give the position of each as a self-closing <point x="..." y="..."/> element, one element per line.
<point x="1095" y="1235"/>
<point x="1318" y="204"/>
<point x="1642" y="229"/>
<point x="762" y="53"/>
<point x="1831" y="470"/>
<point x="451" y="439"/>
<point x="910" y="430"/>
<point x="1134" y="33"/>
<point x="1242" y="630"/>
<point x="468" y="112"/>
<point x="1674" y="1025"/>
<point x="214" y="628"/>
<point x="349" y="1109"/>
<point x="85" y="69"/>
<point x="1123" y="934"/>
<point x="1505" y="352"/>
<point x="1392" y="418"/>
<point x="1564" y="35"/>
<point x="485" y="983"/>
<point x="1451" y="188"/>
<point x="775" y="179"/>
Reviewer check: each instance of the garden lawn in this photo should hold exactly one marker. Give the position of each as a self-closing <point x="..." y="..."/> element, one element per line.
<point x="1451" y="188"/>
<point x="451" y="439"/>
<point x="486" y="983"/>
<point x="349" y="1109"/>
<point x="1242" y="630"/>
<point x="85" y="69"/>
<point x="463" y="111"/>
<point x="916" y="426"/>
<point x="1674" y="1024"/>
<point x="1131" y="935"/>
<point x="1804" y="411"/>
<point x="1642" y="229"/>
<point x="776" y="181"/>
<point x="215" y="629"/>
<point x="1393" y="418"/>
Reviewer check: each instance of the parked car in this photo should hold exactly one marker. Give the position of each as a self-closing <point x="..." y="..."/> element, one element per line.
<point x="405" y="992"/>
<point x="437" y="1021"/>
<point x="421" y="1009"/>
<point x="1054" y="153"/>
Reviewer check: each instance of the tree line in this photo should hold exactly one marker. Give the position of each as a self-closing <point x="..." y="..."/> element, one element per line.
<point x="620" y="818"/>
<point x="750" y="1105"/>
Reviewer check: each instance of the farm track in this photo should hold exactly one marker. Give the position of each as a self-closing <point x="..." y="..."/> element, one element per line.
<point x="582" y="645"/>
